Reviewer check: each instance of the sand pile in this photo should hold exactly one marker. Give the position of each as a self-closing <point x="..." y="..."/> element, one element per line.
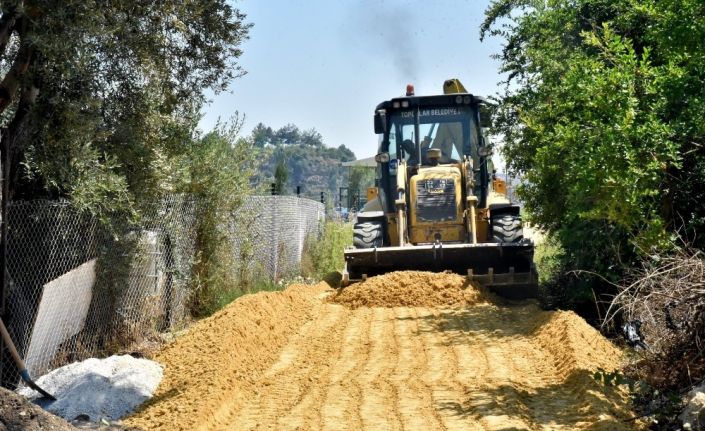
<point x="412" y="289"/>
<point x="409" y="350"/>
<point x="574" y="344"/>
<point x="214" y="366"/>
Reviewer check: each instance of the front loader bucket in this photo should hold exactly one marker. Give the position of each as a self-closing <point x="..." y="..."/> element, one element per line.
<point x="506" y="269"/>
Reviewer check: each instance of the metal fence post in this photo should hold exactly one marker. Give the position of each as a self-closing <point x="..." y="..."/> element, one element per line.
<point x="275" y="240"/>
<point x="3" y="238"/>
<point x="3" y="230"/>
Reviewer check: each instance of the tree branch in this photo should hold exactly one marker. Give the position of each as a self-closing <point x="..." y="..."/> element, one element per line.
<point x="17" y="129"/>
<point x="9" y="84"/>
<point x="7" y="25"/>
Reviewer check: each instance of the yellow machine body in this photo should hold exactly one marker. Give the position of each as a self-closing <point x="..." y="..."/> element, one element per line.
<point x="450" y="230"/>
<point x="438" y="205"/>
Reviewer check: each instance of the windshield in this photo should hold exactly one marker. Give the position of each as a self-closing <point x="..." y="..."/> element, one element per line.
<point x="453" y="130"/>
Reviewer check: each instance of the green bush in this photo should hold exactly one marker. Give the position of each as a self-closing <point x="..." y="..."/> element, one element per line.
<point x="602" y="115"/>
<point x="548" y="255"/>
<point x="220" y="166"/>
<point x="323" y="257"/>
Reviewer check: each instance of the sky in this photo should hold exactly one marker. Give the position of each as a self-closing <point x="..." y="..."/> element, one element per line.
<point x="327" y="64"/>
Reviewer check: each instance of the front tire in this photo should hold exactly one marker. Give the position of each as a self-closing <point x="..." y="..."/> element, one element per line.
<point x="507" y="228"/>
<point x="368" y="234"/>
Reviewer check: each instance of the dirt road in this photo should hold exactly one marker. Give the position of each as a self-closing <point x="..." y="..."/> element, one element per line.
<point x="482" y="366"/>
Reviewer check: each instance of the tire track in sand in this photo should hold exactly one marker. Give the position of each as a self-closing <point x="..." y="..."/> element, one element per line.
<point x="486" y="397"/>
<point x="379" y="404"/>
<point x="407" y="368"/>
<point x="483" y="366"/>
<point x="341" y="408"/>
<point x="513" y="382"/>
<point x="415" y="398"/>
<point x="441" y="373"/>
<point x="292" y="386"/>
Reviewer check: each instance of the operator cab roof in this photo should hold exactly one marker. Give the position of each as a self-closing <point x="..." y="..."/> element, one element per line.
<point x="447" y="100"/>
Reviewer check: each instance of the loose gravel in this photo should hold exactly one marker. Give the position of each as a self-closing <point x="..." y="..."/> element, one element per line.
<point x="101" y="389"/>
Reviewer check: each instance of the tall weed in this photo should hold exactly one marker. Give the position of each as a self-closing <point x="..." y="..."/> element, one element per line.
<point x="323" y="257"/>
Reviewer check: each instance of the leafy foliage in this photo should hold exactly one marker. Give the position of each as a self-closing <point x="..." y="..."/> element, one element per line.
<point x="602" y="114"/>
<point x="290" y="134"/>
<point x="100" y="99"/>
<point x="281" y="176"/>
<point x="359" y="178"/>
<point x="220" y="167"/>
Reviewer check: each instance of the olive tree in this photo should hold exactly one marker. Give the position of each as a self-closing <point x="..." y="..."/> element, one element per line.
<point x="97" y="98"/>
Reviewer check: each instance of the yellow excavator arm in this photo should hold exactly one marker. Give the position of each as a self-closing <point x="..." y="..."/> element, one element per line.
<point x="452" y="86"/>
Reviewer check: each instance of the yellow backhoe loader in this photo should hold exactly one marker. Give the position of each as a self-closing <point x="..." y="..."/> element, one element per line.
<point x="437" y="205"/>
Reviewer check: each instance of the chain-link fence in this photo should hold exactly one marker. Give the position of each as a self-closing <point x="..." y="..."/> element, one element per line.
<point x="79" y="289"/>
<point x="269" y="233"/>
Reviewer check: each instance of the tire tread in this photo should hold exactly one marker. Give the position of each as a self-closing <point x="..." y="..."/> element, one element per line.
<point x="367" y="234"/>
<point x="507" y="228"/>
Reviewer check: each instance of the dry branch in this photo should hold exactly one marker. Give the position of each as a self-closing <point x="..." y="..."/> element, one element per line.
<point x="667" y="295"/>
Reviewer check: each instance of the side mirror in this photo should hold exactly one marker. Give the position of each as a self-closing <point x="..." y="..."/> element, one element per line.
<point x="485" y="151"/>
<point x="486" y="115"/>
<point x="382" y="158"/>
<point x="380" y="122"/>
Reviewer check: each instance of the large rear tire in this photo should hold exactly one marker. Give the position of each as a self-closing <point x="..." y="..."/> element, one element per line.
<point x="368" y="234"/>
<point x="507" y="228"/>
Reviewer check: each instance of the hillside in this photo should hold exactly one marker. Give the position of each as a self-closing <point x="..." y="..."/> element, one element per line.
<point x="309" y="162"/>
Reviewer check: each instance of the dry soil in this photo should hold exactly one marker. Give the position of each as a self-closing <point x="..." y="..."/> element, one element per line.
<point x="450" y="359"/>
<point x="19" y="414"/>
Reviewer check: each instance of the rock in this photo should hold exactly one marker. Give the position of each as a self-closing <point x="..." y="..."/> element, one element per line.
<point x="693" y="416"/>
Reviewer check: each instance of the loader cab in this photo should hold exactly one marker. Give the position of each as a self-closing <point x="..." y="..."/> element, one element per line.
<point x="409" y="127"/>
